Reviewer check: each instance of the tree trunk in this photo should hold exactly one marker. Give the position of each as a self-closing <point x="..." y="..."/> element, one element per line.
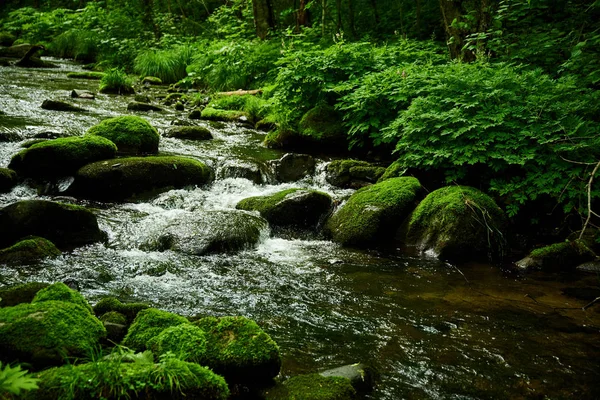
<point x="338" y="6"/>
<point x="263" y="17"/>
<point x="374" y="6"/>
<point x="351" y="17"/>
<point x="303" y="15"/>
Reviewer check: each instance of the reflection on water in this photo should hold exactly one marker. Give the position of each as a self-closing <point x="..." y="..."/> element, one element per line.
<point x="434" y="330"/>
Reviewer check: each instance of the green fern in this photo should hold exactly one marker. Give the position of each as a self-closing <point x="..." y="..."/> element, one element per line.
<point x="14" y="380"/>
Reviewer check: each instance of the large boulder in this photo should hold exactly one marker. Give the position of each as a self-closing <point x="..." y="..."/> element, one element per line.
<point x="8" y="179"/>
<point x="128" y="178"/>
<point x="21" y="293"/>
<point x="16" y="51"/>
<point x="57" y="105"/>
<point x="372" y="214"/>
<point x="148" y="324"/>
<point x="60" y="292"/>
<point x="293" y="167"/>
<point x="300" y="208"/>
<point x="189" y="132"/>
<point x="28" y="251"/>
<point x="251" y="170"/>
<point x="457" y="223"/>
<point x="322" y="126"/>
<point x="352" y="173"/>
<point x="239" y="349"/>
<point x="64" y="224"/>
<point x="47" y="332"/>
<point x="132" y="135"/>
<point x="562" y="256"/>
<point x="61" y="157"/>
<point x="202" y="232"/>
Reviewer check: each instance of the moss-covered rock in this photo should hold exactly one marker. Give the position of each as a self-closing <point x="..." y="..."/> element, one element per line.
<point x="292" y="207"/>
<point x="322" y="125"/>
<point x="136" y="177"/>
<point x="62" y="156"/>
<point x="372" y="215"/>
<point x="361" y="376"/>
<point x="395" y="170"/>
<point x="147" y="324"/>
<point x="140" y="106"/>
<point x="90" y="75"/>
<point x="22" y="293"/>
<point x="562" y="256"/>
<point x="152" y="80"/>
<point x="115" y="324"/>
<point x="239" y="349"/>
<point x="207" y="232"/>
<point x="115" y="379"/>
<point x="313" y="387"/>
<point x="282" y="139"/>
<point x="114" y="317"/>
<point x="64" y="224"/>
<point x="28" y="251"/>
<point x="8" y="179"/>
<point x="352" y="173"/>
<point x="131" y="134"/>
<point x="45" y="333"/>
<point x="457" y="223"/>
<point x="214" y="114"/>
<point x="252" y="170"/>
<point x="61" y="292"/>
<point x="57" y="105"/>
<point x="112" y="304"/>
<point x="293" y="167"/>
<point x="189" y="132"/>
<point x="187" y="342"/>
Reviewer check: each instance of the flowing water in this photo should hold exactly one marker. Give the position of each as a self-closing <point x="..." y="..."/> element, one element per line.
<point x="434" y="330"/>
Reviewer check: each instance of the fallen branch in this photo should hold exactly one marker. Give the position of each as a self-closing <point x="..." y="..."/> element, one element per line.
<point x="240" y="92"/>
<point x="597" y="299"/>
<point x="589" y="199"/>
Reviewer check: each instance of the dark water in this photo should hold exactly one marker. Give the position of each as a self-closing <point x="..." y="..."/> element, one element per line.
<point x="434" y="330"/>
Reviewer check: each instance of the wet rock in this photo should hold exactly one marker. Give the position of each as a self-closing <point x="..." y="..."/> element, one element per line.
<point x="137" y="106"/>
<point x="292" y="167"/>
<point x="89" y="75"/>
<point x="252" y="171"/>
<point x="172" y="98"/>
<point x="592" y="266"/>
<point x="195" y="114"/>
<point x="22" y="293"/>
<point x="9" y="137"/>
<point x="558" y="257"/>
<point x="202" y="233"/>
<point x="132" y="135"/>
<point x="292" y="207"/>
<point x="64" y="224"/>
<point x="47" y="135"/>
<point x="181" y="122"/>
<point x="152" y="80"/>
<point x="136" y="177"/>
<point x="28" y="251"/>
<point x="17" y="51"/>
<point x="148" y="324"/>
<point x="179" y="106"/>
<point x="61" y="157"/>
<point x="142" y="98"/>
<point x="240" y="350"/>
<point x="56" y="105"/>
<point x="352" y="173"/>
<point x="8" y="179"/>
<point x="457" y="223"/>
<point x="47" y="333"/>
<point x="189" y="132"/>
<point x="82" y="94"/>
<point x="372" y="214"/>
<point x="361" y="376"/>
<point x="313" y="386"/>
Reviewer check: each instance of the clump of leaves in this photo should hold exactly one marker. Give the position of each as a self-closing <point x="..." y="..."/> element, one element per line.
<point x="13" y="380"/>
<point x="168" y="65"/>
<point x="116" y="81"/>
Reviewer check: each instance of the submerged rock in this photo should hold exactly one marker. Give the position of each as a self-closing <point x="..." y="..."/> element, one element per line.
<point x="62" y="156"/>
<point x="313" y="386"/>
<point x="56" y="105"/>
<point x="134" y="177"/>
<point x="22" y="293"/>
<point x="139" y="106"/>
<point x="361" y="376"/>
<point x="457" y="223"/>
<point x="373" y="214"/>
<point x="8" y="179"/>
<point x="9" y="136"/>
<point x="300" y="208"/>
<point x="28" y="251"/>
<point x="246" y="169"/>
<point x="132" y="134"/>
<point x="352" y="173"/>
<point x="189" y="132"/>
<point x="64" y="224"/>
<point x="82" y="94"/>
<point x="148" y="324"/>
<point x="558" y="257"/>
<point x="293" y="167"/>
<point x="202" y="233"/>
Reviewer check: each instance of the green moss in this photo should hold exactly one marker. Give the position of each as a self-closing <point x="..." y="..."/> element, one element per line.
<point x="131" y="134"/>
<point x="45" y="333"/>
<point x="186" y="341"/>
<point x="114" y="317"/>
<point x="111" y="304"/>
<point x="352" y="173"/>
<point x="561" y="256"/>
<point x="134" y="177"/>
<point x="23" y="293"/>
<point x="313" y="387"/>
<point x="62" y="156"/>
<point x="60" y="291"/>
<point x="148" y="324"/>
<point x="28" y="251"/>
<point x="214" y="114"/>
<point x="291" y="207"/>
<point x="229" y="102"/>
<point x="31" y="142"/>
<point x="8" y="179"/>
<point x="373" y="214"/>
<point x="189" y="132"/>
<point x="323" y="124"/>
<point x="281" y="139"/>
<point x="118" y="379"/>
<point x="152" y="80"/>
<point x="239" y="349"/>
<point x="395" y="170"/>
<point x="86" y="75"/>
<point x="458" y="222"/>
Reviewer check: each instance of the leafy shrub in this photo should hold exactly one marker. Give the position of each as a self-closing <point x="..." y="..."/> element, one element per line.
<point x="115" y="81"/>
<point x="78" y="44"/>
<point x="168" y="65"/>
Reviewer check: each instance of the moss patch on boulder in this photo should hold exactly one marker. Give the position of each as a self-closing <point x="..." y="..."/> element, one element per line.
<point x="395" y="169"/>
<point x="61" y="292"/>
<point x="134" y="177"/>
<point x="152" y="80"/>
<point x="352" y="173"/>
<point x="45" y="333"/>
<point x="132" y="134"/>
<point x="64" y="224"/>
<point x="28" y="251"/>
<point x="458" y="223"/>
<point x="62" y="156"/>
<point x="90" y="75"/>
<point x="239" y="349"/>
<point x="313" y="387"/>
<point x="292" y="207"/>
<point x="114" y="317"/>
<point x="372" y="215"/>
<point x="214" y="114"/>
<point x="17" y="294"/>
<point x="562" y="256"/>
<point x="322" y="125"/>
<point x="111" y="304"/>
<point x="187" y="342"/>
<point x="189" y="132"/>
<point x="8" y="179"/>
<point x="148" y="324"/>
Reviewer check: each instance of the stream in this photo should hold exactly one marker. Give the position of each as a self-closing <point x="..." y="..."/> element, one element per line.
<point x="433" y="330"/>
